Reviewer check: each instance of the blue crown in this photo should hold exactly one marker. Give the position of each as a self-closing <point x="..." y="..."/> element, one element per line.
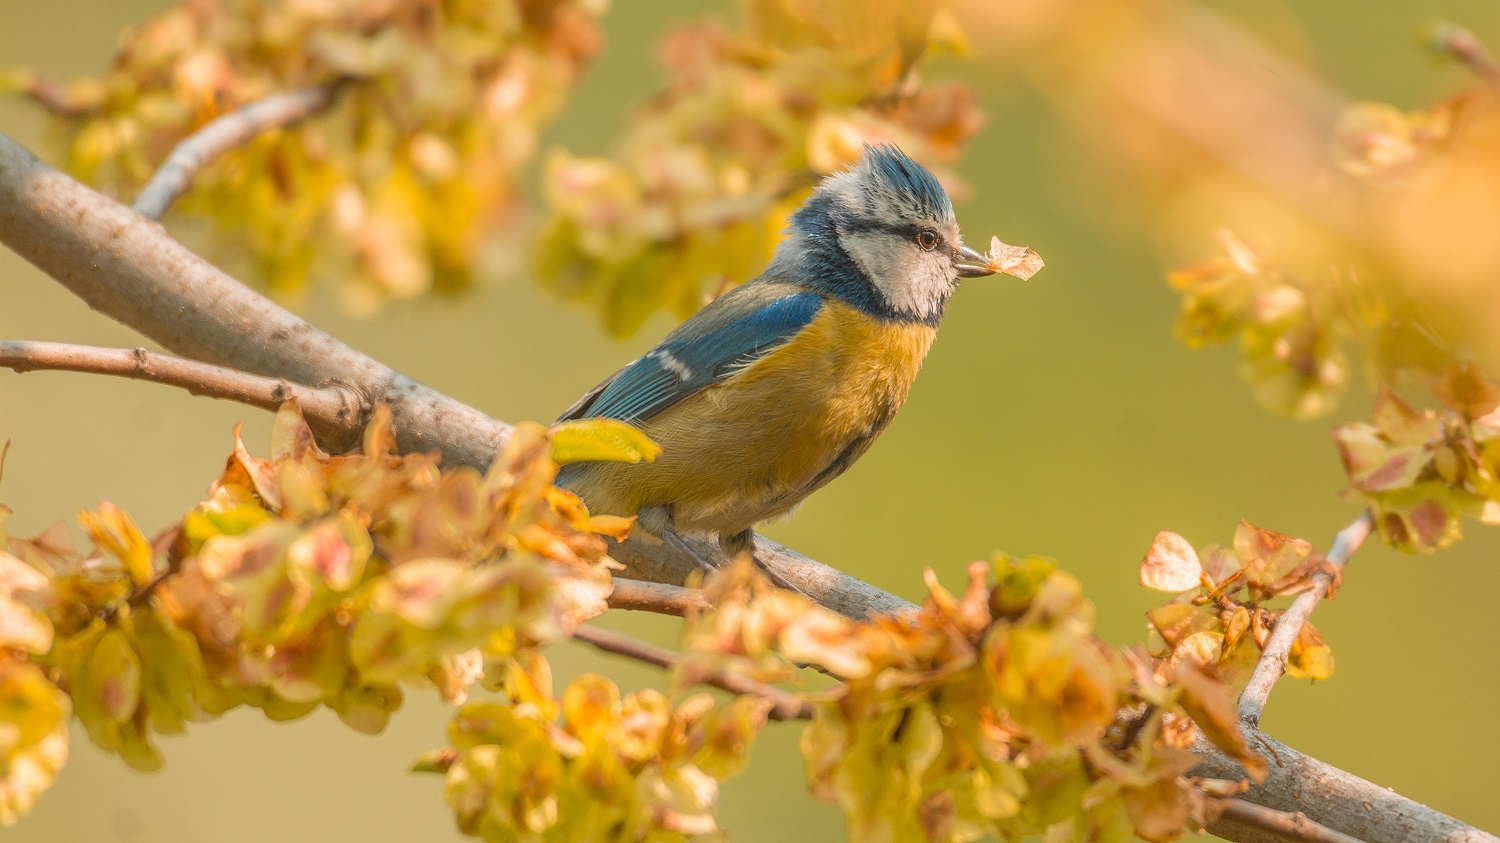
<point x="891" y="168"/>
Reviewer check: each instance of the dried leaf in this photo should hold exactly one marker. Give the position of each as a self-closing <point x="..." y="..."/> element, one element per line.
<point x="1171" y="564"/>
<point x="1309" y="657"/>
<point x="1176" y="621"/>
<point x="1275" y="562"/>
<point x="1464" y="389"/>
<point x="1211" y="704"/>
<point x="1019" y="261"/>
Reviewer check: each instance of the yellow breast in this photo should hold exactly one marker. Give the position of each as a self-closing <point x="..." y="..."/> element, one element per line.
<point x="752" y="447"/>
<point x="854" y="370"/>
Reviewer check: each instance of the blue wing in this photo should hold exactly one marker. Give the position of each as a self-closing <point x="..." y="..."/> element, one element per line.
<point x="733" y="331"/>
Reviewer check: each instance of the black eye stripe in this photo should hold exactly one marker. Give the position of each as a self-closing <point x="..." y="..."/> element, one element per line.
<point x="906" y="231"/>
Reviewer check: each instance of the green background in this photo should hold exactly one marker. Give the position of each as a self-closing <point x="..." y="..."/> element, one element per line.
<point x="1056" y="416"/>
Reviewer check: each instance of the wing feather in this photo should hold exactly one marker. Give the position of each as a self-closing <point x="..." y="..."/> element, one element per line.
<point x="697" y="356"/>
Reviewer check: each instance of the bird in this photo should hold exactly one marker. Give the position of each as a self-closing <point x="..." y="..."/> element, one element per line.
<point x="776" y="387"/>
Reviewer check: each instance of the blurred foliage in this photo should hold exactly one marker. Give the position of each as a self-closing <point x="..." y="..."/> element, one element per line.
<point x="617" y="768"/>
<point x="1426" y="183"/>
<point x="699" y="190"/>
<point x="303" y="580"/>
<point x="407" y="185"/>
<point x="308" y="580"/>
<point x="1290" y="340"/>
<point x="34" y="712"/>
<point x="995" y="712"/>
<point x="1406" y="274"/>
<point x="1422" y="470"/>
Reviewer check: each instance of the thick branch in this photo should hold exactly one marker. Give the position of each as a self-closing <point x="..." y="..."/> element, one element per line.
<point x="1280" y="825"/>
<point x="784" y="706"/>
<point x="1336" y="799"/>
<point x="329" y="406"/>
<point x="222" y="134"/>
<point x="1272" y="663"/>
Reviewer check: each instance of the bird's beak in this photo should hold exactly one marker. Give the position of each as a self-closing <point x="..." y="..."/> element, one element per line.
<point x="972" y="264"/>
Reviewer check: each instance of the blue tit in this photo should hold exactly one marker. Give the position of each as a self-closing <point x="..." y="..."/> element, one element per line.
<point x="778" y="386"/>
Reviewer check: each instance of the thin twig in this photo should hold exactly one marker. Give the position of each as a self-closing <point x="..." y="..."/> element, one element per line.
<point x="1272" y="663"/>
<point x="1467" y="48"/>
<point x="327" y="405"/>
<point x="52" y="95"/>
<point x="224" y="133"/>
<point x="660" y="598"/>
<point x="784" y="706"/>
<point x="1134" y="726"/>
<point x="1282" y="825"/>
<point x="139" y="597"/>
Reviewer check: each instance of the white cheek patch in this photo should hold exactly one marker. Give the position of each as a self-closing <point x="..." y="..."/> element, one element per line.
<point x="910" y="280"/>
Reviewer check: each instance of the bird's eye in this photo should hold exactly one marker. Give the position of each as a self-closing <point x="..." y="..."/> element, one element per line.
<point x="927" y="239"/>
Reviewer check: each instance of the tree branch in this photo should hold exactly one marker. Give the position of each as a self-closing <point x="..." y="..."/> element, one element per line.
<point x="1339" y="800"/>
<point x="784" y="706"/>
<point x="224" y="133"/>
<point x="331" y="406"/>
<point x="1272" y="663"/>
<point x="131" y="270"/>
<point x="128" y="268"/>
<point x="1280" y="825"/>
<point x="647" y="559"/>
<point x="656" y="597"/>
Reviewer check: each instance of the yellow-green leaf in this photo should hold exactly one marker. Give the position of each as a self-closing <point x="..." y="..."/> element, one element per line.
<point x="597" y="439"/>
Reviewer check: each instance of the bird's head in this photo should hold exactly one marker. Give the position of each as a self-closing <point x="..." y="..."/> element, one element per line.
<point x="882" y="236"/>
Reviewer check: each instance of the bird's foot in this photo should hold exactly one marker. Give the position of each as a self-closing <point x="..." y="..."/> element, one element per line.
<point x="776" y="578"/>
<point x="739" y="543"/>
<point x="744" y="542"/>
<point x="671" y="538"/>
